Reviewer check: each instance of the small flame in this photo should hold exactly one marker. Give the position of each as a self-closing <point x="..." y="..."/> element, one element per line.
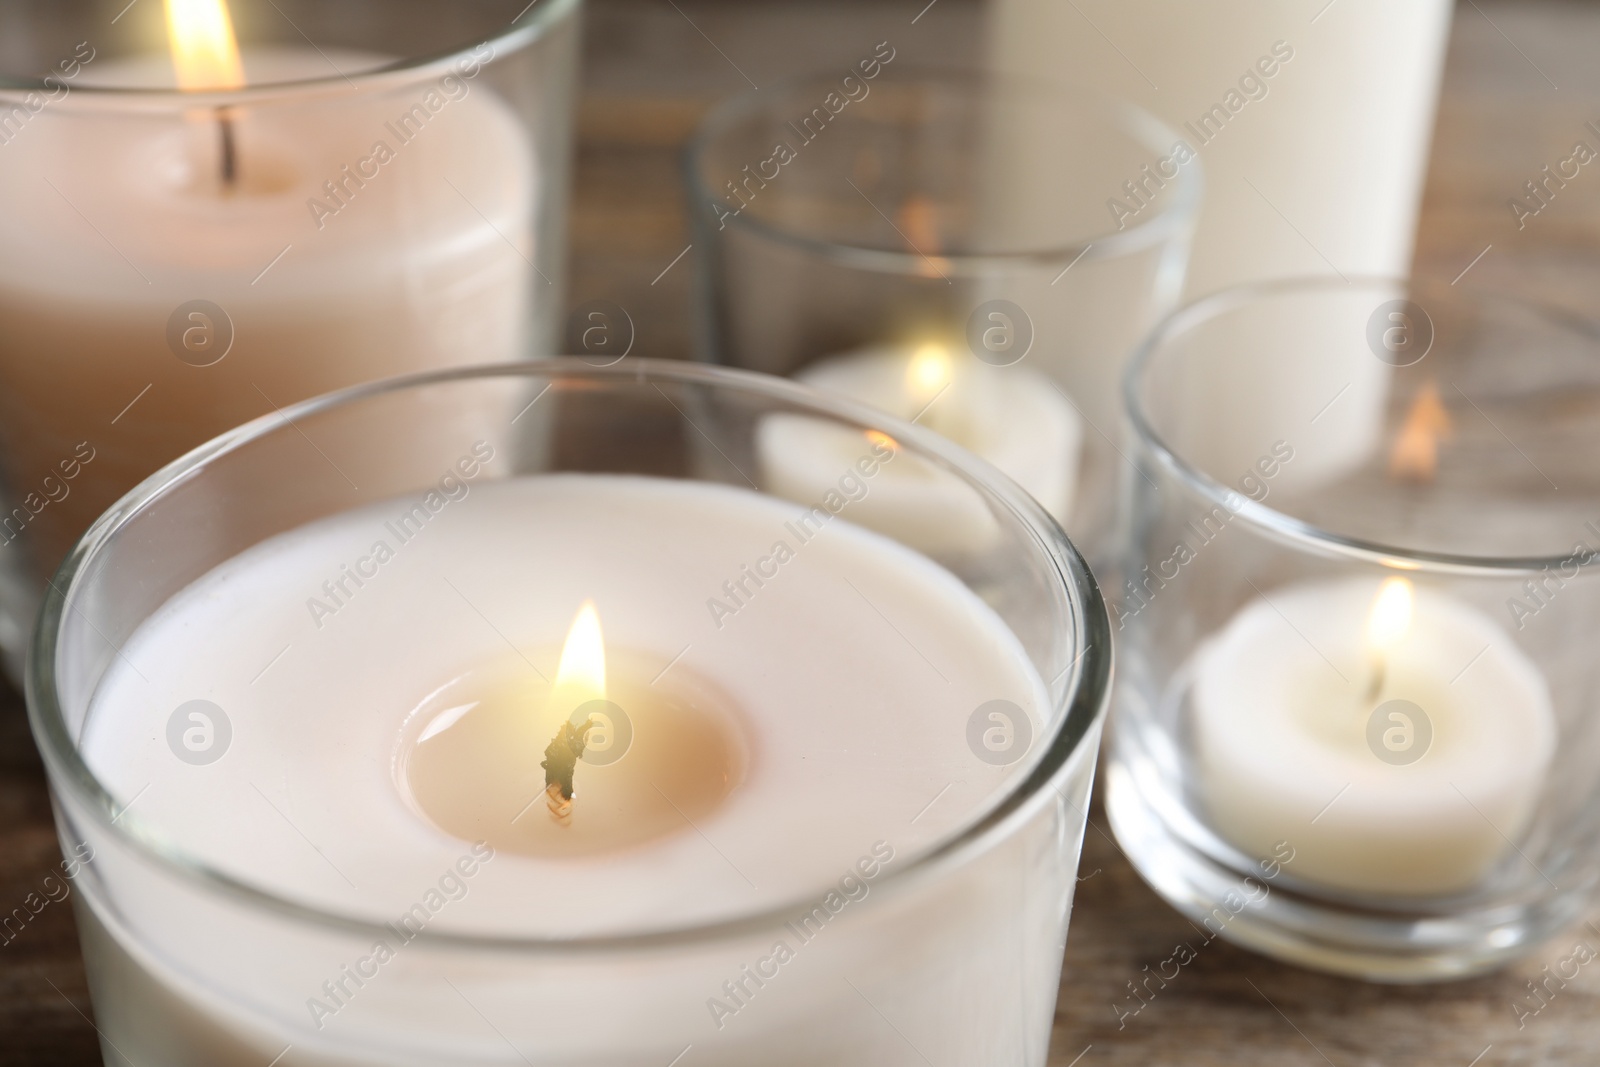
<point x="582" y="674"/>
<point x="1390" y="619"/>
<point x="918" y="223"/>
<point x="929" y="371"/>
<point x="878" y="437"/>
<point x="204" y="49"/>
<point x="1415" y="455"/>
<point x="580" y="679"/>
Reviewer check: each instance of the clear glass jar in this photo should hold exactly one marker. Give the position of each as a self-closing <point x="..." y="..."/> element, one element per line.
<point x="385" y="193"/>
<point x="886" y="207"/>
<point x="956" y="949"/>
<point x="1355" y="723"/>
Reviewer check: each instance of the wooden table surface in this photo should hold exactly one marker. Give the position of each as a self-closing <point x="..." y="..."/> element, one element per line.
<point x="1521" y="82"/>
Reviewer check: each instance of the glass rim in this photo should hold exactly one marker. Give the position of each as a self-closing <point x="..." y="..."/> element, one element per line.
<point x="1081" y="702"/>
<point x="1279" y="524"/>
<point x="1173" y="218"/>
<point x="535" y="23"/>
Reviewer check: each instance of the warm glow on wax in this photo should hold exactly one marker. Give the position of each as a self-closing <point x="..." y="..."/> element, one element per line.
<point x="929" y="372"/>
<point x="878" y="437"/>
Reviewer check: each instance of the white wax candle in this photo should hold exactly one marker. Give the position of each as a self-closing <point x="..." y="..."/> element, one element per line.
<point x="1419" y="802"/>
<point x="850" y="676"/>
<point x="1011" y="416"/>
<point x="416" y="256"/>
<point x="1314" y="136"/>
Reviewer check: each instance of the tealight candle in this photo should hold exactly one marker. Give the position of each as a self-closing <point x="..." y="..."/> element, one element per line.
<point x="1011" y="416"/>
<point x="1397" y="738"/>
<point x="186" y="271"/>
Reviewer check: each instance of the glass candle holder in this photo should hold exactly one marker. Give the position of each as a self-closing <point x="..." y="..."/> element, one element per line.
<point x="844" y="224"/>
<point x="361" y="189"/>
<point x="1355" y="727"/>
<point x="883" y="868"/>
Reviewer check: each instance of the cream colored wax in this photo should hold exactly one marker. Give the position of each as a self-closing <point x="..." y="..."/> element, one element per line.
<point x="417" y="255"/>
<point x="843" y="688"/>
<point x="1011" y="416"/>
<point x="1424" y="801"/>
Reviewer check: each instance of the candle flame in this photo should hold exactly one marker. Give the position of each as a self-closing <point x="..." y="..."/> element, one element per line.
<point x="1390" y="619"/>
<point x="1415" y="454"/>
<point x="204" y="49"/>
<point x="917" y="221"/>
<point x="581" y="676"/>
<point x="878" y="437"/>
<point x="929" y="371"/>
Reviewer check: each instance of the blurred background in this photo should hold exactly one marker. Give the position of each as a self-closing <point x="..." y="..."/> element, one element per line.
<point x="1519" y="85"/>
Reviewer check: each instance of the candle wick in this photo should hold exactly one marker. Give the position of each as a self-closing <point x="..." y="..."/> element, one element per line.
<point x="1376" y="681"/>
<point x="229" y="148"/>
<point x="560" y="762"/>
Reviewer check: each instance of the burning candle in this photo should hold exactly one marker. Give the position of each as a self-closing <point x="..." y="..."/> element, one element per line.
<point x="402" y="733"/>
<point x="476" y="741"/>
<point x="184" y="265"/>
<point x="1011" y="416"/>
<point x="1397" y="737"/>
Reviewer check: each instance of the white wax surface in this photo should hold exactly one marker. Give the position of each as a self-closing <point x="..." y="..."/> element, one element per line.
<point x="855" y="701"/>
<point x="118" y="221"/>
<point x="1317" y="170"/>
<point x="1283" y="750"/>
<point x="135" y="177"/>
<point x="1011" y="416"/>
<point x="1323" y="163"/>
